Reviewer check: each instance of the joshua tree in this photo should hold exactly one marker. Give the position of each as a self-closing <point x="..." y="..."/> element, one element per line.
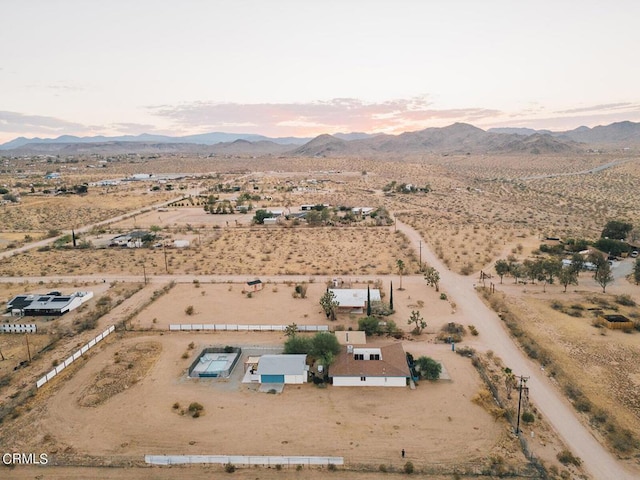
<point x="509" y="381"/>
<point x="432" y="277"/>
<point x="419" y="322"/>
<point x="329" y="304"/>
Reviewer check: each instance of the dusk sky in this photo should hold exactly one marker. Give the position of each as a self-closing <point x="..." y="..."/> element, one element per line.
<point x="306" y="67"/>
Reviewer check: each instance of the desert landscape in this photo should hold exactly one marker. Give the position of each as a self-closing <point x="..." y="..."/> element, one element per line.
<point x="156" y="260"/>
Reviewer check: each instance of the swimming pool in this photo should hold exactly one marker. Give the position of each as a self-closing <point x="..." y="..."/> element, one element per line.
<point x="213" y="364"/>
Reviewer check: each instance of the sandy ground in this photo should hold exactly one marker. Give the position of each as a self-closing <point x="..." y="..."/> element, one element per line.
<point x="359" y="424"/>
<point x="226" y="303"/>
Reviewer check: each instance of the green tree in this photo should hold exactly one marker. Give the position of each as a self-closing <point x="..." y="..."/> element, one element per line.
<point x="577" y="263"/>
<point x="428" y="368"/>
<point x="603" y="276"/>
<point x="401" y="267"/>
<point x="329" y="304"/>
<point x="502" y="268"/>
<point x="616" y="230"/>
<point x="568" y="276"/>
<point x="369" y="325"/>
<point x="260" y="215"/>
<point x="611" y="246"/>
<point x="418" y="321"/>
<point x="297" y="344"/>
<point x="551" y="268"/>
<point x="517" y="271"/>
<point x="325" y="346"/>
<point x="636" y="271"/>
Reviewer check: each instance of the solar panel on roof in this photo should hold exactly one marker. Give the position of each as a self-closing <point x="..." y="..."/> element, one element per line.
<point x="43" y="299"/>
<point x="61" y="299"/>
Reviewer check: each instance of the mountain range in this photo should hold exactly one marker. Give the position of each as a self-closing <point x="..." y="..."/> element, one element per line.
<point x="456" y="138"/>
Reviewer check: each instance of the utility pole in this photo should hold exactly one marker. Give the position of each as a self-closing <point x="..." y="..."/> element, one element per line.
<point x="166" y="265"/>
<point x="522" y="387"/>
<point x="26" y="336"/>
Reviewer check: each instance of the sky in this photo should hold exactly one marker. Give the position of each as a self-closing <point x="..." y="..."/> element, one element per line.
<point x="306" y="67"/>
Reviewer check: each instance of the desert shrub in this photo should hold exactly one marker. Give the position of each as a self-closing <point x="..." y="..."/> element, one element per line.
<point x="229" y="467"/>
<point x="369" y="325"/>
<point x="556" y="305"/>
<point x="176" y="406"/>
<point x="466" y="351"/>
<point x="228" y="349"/>
<point x="625" y="300"/>
<point x="473" y="330"/>
<point x="185" y="355"/>
<point x="566" y="458"/>
<point x="192" y="346"/>
<point x="332" y="467"/>
<point x="599" y="416"/>
<point x="409" y="468"/>
<point x="382" y="468"/>
<point x="278" y="467"/>
<point x="528" y="417"/>
<point x="298" y="468"/>
<point x="380" y="309"/>
<point x="622" y="440"/>
<point x="443" y="296"/>
<point x="195" y="409"/>
<point x="428" y="368"/>
<point x="449" y="337"/>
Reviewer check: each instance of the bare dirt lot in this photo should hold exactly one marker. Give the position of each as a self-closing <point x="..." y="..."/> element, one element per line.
<point x="332" y="421"/>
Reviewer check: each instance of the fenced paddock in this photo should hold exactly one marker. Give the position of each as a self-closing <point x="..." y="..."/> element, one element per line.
<point x="241" y="460"/>
<point x="224" y="327"/>
<point x="77" y="354"/>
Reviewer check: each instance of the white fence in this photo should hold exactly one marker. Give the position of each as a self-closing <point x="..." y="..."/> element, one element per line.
<point x="18" y="328"/>
<point x="240" y="460"/>
<point x="188" y="327"/>
<point x="74" y="357"/>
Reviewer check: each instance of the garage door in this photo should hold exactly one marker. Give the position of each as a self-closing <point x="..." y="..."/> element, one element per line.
<point x="272" y="378"/>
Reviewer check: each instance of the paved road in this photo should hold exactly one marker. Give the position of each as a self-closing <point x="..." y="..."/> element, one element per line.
<point x="597" y="461"/>
<point x="581" y="172"/>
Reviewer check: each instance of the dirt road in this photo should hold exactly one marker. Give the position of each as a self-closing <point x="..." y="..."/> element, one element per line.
<point x="493" y="336"/>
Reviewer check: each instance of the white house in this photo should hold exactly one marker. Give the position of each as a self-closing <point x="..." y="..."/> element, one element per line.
<point x="354" y="300"/>
<point x="285" y="369"/>
<point x="47" y="305"/>
<point x="370" y="366"/>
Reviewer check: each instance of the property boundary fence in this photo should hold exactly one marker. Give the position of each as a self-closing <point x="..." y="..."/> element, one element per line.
<point x="18" y="328"/>
<point x="241" y="460"/>
<point x="77" y="354"/>
<point x="188" y="327"/>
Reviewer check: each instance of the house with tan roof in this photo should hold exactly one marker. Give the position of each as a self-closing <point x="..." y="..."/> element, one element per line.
<point x="370" y="366"/>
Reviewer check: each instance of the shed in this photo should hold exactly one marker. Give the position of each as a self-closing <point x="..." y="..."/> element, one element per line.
<point x="283" y="369"/>
<point x="254" y="285"/>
